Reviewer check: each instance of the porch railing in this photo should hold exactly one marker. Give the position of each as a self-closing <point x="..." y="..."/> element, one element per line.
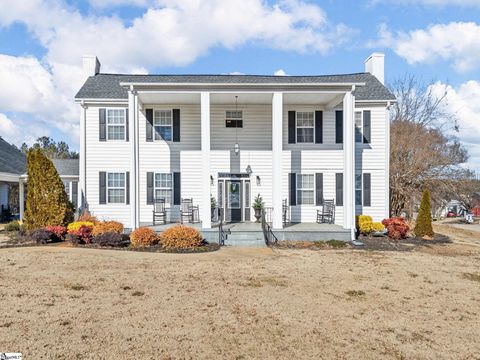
<point x="270" y="238"/>
<point x="222" y="233"/>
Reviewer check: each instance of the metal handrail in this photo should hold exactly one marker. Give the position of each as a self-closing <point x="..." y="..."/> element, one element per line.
<point x="268" y="234"/>
<point x="222" y="233"/>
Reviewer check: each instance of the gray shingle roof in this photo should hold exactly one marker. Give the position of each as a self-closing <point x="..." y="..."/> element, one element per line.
<point x="67" y="167"/>
<point x="12" y="160"/>
<point x="107" y="86"/>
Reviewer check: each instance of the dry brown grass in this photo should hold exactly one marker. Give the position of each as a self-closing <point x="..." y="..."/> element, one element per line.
<point x="67" y="303"/>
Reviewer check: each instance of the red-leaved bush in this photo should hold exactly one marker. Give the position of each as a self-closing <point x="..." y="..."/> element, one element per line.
<point x="397" y="227"/>
<point x="83" y="234"/>
<point x="58" y="232"/>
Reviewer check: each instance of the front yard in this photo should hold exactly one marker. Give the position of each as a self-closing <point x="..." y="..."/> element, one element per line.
<point x="66" y="303"/>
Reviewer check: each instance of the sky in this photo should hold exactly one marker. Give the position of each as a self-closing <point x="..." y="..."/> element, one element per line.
<point x="42" y="42"/>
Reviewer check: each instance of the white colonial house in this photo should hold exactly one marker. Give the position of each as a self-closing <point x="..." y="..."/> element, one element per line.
<point x="295" y="140"/>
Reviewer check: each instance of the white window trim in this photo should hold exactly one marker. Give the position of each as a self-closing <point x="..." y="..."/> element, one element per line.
<point x="227" y="118"/>
<point x="69" y="192"/>
<point x="155" y="188"/>
<point x="304" y="127"/>
<point x="360" y="128"/>
<point x="297" y="189"/>
<point x="115" y="187"/>
<point x="359" y="189"/>
<point x="124" y="124"/>
<point x="171" y="125"/>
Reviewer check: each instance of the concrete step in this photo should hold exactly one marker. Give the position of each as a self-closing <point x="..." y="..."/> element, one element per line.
<point x="245" y="243"/>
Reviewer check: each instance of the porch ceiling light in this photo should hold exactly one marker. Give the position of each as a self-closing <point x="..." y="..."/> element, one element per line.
<point x="236" y="149"/>
<point x="259" y="182"/>
<point x="249" y="170"/>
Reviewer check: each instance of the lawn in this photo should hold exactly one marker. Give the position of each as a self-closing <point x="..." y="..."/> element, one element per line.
<point x="67" y="303"/>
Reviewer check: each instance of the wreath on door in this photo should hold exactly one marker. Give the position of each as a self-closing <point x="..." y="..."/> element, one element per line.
<point x="233" y="187"/>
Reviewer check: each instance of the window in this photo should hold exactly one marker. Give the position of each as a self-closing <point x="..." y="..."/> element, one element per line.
<point x="358" y="127"/>
<point x="116" y="188"/>
<point x="115" y="124"/>
<point x="162" y="123"/>
<point x="163" y="187"/>
<point x="66" y="184"/>
<point x="233" y="119"/>
<point x="305" y="189"/>
<point x="358" y="189"/>
<point x="305" y="127"/>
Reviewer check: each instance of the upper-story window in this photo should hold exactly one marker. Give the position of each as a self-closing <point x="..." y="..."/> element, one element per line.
<point x="305" y="189"/>
<point x="162" y="123"/>
<point x="116" y="188"/>
<point x="116" y="124"/>
<point x="305" y="127"/>
<point x="234" y="119"/>
<point x="358" y="127"/>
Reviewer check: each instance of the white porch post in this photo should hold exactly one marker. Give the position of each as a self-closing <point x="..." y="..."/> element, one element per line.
<point x="349" y="162"/>
<point x="205" y="212"/>
<point x="21" y="198"/>
<point x="83" y="160"/>
<point x="132" y="105"/>
<point x="277" y="120"/>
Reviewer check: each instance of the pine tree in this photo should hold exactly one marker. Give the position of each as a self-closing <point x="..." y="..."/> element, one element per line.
<point x="47" y="201"/>
<point x="423" y="227"/>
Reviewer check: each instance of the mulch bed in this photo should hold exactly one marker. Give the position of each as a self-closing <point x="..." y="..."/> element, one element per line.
<point x="156" y="248"/>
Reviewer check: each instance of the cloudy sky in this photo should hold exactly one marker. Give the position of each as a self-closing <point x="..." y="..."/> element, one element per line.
<point x="42" y="41"/>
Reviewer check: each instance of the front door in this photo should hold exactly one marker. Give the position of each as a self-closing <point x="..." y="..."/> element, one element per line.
<point x="233" y="208"/>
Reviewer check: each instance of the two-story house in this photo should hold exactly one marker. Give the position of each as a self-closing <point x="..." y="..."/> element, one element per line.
<point x="295" y="140"/>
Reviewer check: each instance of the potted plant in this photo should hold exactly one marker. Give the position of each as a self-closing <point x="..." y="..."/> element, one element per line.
<point x="213" y="206"/>
<point x="258" y="206"/>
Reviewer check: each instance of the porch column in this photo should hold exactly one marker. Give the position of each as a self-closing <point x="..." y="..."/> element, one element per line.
<point x="205" y="212"/>
<point x="132" y="112"/>
<point x="83" y="158"/>
<point x="277" y="120"/>
<point x="21" y="198"/>
<point x="349" y="162"/>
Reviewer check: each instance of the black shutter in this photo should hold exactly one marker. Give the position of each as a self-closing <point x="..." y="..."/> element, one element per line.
<point x="367" y="190"/>
<point x="75" y="194"/>
<point x="176" y="125"/>
<point x="102" y="187"/>
<point x="127" y="187"/>
<point x="126" y="125"/>
<point x="339" y="189"/>
<point x="319" y="189"/>
<point x="367" y="126"/>
<point x="102" y="117"/>
<point x="318" y="127"/>
<point x="149" y="124"/>
<point x="149" y="188"/>
<point x="292" y="180"/>
<point x="339" y="127"/>
<point x="177" y="194"/>
<point x="291" y="128"/>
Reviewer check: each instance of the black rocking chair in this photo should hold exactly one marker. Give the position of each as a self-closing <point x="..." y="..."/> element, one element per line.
<point x="285" y="214"/>
<point x="159" y="211"/>
<point x="189" y="211"/>
<point x="327" y="214"/>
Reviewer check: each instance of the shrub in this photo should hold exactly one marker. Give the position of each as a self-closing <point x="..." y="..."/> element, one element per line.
<point x="83" y="234"/>
<point x="75" y="226"/>
<point x="109" y="239"/>
<point x="107" y="227"/>
<point x="47" y="202"/>
<point x="364" y="224"/>
<point x="377" y="227"/>
<point x="74" y="239"/>
<point x="58" y="232"/>
<point x="143" y="237"/>
<point x="423" y="226"/>
<point x="397" y="227"/>
<point x="41" y="236"/>
<point x="181" y="237"/>
<point x="12" y="226"/>
<point x="87" y="216"/>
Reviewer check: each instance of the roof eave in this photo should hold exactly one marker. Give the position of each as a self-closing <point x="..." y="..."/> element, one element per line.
<point x="160" y="84"/>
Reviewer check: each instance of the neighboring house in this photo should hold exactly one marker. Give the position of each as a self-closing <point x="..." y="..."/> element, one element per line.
<point x="68" y="170"/>
<point x="12" y="165"/>
<point x="302" y="139"/>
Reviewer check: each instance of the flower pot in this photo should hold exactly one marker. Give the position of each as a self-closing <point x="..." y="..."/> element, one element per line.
<point x="258" y="214"/>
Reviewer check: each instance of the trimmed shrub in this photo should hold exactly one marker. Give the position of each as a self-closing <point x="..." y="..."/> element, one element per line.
<point x="142" y="237"/>
<point x="423" y="226"/>
<point x="397" y="227"/>
<point x="181" y="237"/>
<point x="75" y="226"/>
<point x="47" y="201"/>
<point x="12" y="226"/>
<point x="107" y="227"/>
<point x="58" y="232"/>
<point x="110" y="239"/>
<point x="366" y="225"/>
<point x="41" y="236"/>
<point x="83" y="234"/>
<point x="87" y="216"/>
<point x="377" y="227"/>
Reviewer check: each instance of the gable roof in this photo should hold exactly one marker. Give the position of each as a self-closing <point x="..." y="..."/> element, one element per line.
<point x="107" y="86"/>
<point x="67" y="167"/>
<point x="12" y="160"/>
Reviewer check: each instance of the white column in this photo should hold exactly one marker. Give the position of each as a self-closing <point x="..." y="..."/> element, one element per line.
<point x="83" y="159"/>
<point x="21" y="198"/>
<point x="277" y="120"/>
<point x="349" y="162"/>
<point x="205" y="212"/>
<point x="133" y="158"/>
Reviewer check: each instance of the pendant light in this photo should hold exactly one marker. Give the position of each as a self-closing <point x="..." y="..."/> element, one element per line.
<point x="236" y="147"/>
